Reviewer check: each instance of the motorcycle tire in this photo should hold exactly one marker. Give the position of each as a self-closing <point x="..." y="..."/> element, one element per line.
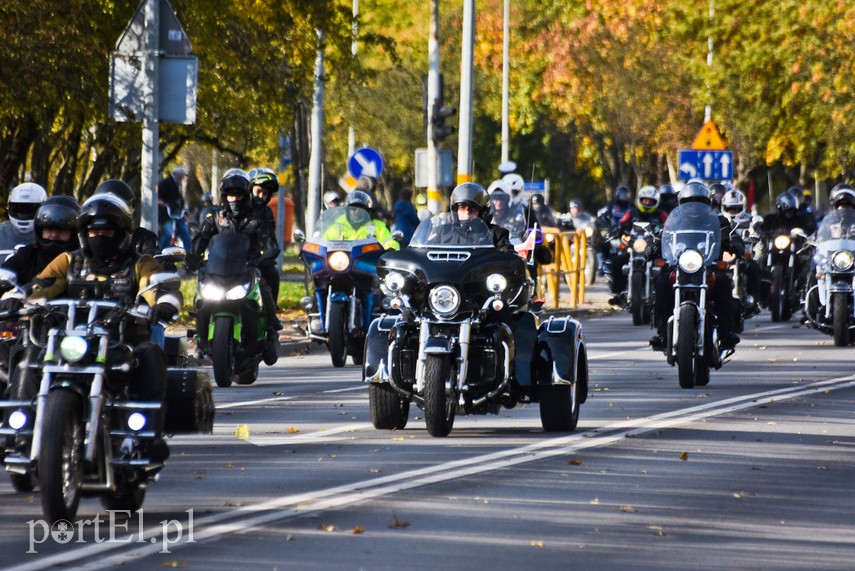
<point x="388" y="410"/>
<point x="129" y="499"/>
<point x="559" y="404"/>
<point x="357" y="351"/>
<point x="439" y="406"/>
<point x="247" y="376"/>
<point x="338" y="334"/>
<point x="776" y="299"/>
<point x="61" y="458"/>
<point x="590" y="268"/>
<point x="24" y="483"/>
<point x="222" y="352"/>
<point x="687" y="338"/>
<point x="636" y="303"/>
<point x="840" y="313"/>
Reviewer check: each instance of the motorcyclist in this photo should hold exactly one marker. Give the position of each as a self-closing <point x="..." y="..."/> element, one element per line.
<point x="720" y="292"/>
<point x="265" y="184"/>
<point x="607" y="219"/>
<point x="107" y="267"/>
<point x="237" y="214"/>
<point x="55" y="231"/>
<point x="206" y="206"/>
<point x="331" y="199"/>
<point x="842" y="196"/>
<point x="542" y="212"/>
<point x="783" y="221"/>
<point x="469" y="201"/>
<point x="717" y="192"/>
<point x="350" y="227"/>
<point x="24" y="201"/>
<point x="514" y="184"/>
<point x="143" y="240"/>
<point x="733" y="207"/>
<point x="646" y="209"/>
<point x="667" y="198"/>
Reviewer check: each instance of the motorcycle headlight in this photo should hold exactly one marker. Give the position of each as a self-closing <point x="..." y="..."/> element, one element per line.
<point x="17" y="420"/>
<point x="496" y="283"/>
<point x="238" y="291"/>
<point x="690" y="261"/>
<point x="394" y="282"/>
<point x="213" y="292"/>
<point x="842" y="261"/>
<point x="136" y="421"/>
<point x="339" y="261"/>
<point x="782" y="242"/>
<point x="589" y="231"/>
<point x="73" y="348"/>
<point x="444" y="300"/>
<point x="639" y="245"/>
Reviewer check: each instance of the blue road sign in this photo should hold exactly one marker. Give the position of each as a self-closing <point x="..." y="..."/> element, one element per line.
<point x="535" y="185"/>
<point x="365" y="161"/>
<point x="707" y="165"/>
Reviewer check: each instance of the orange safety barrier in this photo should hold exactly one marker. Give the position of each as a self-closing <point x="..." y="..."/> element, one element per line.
<point x="569" y="250"/>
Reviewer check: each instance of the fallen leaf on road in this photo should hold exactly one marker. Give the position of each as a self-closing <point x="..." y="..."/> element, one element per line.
<point x="398" y="439"/>
<point x="397" y="523"/>
<point x="684" y="456"/>
<point x="537" y="543"/>
<point x="293" y="430"/>
<point x="658" y="529"/>
<point x="326" y="527"/>
<point x="575" y="462"/>
<point x="242" y="432"/>
<point x="629" y="509"/>
<point x="357" y="529"/>
<point x="175" y="564"/>
<point x="596" y="501"/>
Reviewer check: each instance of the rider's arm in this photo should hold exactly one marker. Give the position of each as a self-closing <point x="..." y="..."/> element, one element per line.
<point x="53" y="280"/>
<point x="384" y="236"/>
<point x="200" y="242"/>
<point x="266" y="238"/>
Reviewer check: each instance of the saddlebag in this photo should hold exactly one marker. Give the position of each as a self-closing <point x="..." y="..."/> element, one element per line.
<point x="377" y="349"/>
<point x="559" y="335"/>
<point x="189" y="402"/>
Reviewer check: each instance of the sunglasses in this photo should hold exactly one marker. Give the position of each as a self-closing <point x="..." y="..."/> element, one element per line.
<point x="467" y="206"/>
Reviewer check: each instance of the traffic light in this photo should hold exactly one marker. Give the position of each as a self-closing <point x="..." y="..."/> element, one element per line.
<point x="438" y="117"/>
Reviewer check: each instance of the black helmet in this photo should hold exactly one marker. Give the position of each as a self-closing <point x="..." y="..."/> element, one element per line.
<point x="622" y="194"/>
<point x="235" y="182"/>
<point x="469" y="192"/>
<point x="58" y="212"/>
<point x="717" y="191"/>
<point x="787" y="204"/>
<point x="797" y="192"/>
<point x="537" y="200"/>
<point x="120" y="189"/>
<point x="106" y="212"/>
<point x="207" y="197"/>
<point x="694" y="192"/>
<point x="360" y="199"/>
<point x="575" y="203"/>
<point x="266" y="179"/>
<point x="842" y="195"/>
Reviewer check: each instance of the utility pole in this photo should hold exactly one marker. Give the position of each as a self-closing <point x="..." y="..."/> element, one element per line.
<point x="464" y="141"/>
<point x="351" y="133"/>
<point x="313" y="200"/>
<point x="506" y="33"/>
<point x="433" y="195"/>
<point x="151" y="127"/>
<point x="708" y="108"/>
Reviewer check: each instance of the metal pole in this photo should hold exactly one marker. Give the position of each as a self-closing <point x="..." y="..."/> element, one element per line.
<point x="708" y="108"/>
<point x="215" y="175"/>
<point x="151" y="128"/>
<point x="313" y="201"/>
<point x="505" y="81"/>
<point x="464" y="141"/>
<point x="433" y="195"/>
<point x="351" y="133"/>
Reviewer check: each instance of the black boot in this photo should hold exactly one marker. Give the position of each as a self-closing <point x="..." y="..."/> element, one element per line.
<point x="271" y="348"/>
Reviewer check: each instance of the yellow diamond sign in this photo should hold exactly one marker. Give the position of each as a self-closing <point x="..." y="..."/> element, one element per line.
<point x="709" y="138"/>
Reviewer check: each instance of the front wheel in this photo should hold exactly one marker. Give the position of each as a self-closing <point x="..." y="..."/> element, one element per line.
<point x="559" y="404"/>
<point x="338" y="334"/>
<point x="439" y="405"/>
<point x="61" y="458"/>
<point x="388" y="410"/>
<point x="840" y="318"/>
<point x="776" y="296"/>
<point x="223" y="354"/>
<point x="687" y="338"/>
<point x="636" y="287"/>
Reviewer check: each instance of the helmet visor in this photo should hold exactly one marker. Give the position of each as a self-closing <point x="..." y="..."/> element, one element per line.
<point x="23" y="210"/>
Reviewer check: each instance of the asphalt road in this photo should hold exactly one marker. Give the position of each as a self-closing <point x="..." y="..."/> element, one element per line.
<point x="753" y="471"/>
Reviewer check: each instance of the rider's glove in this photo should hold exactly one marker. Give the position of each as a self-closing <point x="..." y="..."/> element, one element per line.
<point x="192" y="262"/>
<point x="11" y="305"/>
<point x="163" y="312"/>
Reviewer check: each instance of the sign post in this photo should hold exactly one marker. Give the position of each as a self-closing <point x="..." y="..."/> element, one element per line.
<point x="708" y="158"/>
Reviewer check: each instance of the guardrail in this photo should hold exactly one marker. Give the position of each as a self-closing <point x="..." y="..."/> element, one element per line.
<point x="569" y="251"/>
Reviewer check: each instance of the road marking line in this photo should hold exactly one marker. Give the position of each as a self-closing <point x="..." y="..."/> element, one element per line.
<point x="361" y="387"/>
<point x="251" y="402"/>
<point x="247" y="517"/>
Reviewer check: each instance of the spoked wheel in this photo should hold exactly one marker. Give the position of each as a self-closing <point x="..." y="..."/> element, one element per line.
<point x="687" y="338"/>
<point x="388" y="410"/>
<point x="223" y="354"/>
<point x="61" y="458"/>
<point x="840" y="313"/>
<point x="439" y="405"/>
<point x="636" y="304"/>
<point x="338" y="334"/>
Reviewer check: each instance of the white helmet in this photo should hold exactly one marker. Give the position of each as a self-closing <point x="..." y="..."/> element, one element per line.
<point x="514" y="183"/>
<point x="733" y="204"/>
<point x="24" y="201"/>
<point x="498" y="185"/>
<point x="330" y="197"/>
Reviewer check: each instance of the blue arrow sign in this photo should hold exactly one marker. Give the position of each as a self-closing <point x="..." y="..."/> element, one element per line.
<point x="707" y="165"/>
<point x="366" y="161"/>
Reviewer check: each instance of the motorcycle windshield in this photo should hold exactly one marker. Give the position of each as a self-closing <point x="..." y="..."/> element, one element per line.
<point x="447" y="229"/>
<point x="342" y="224"/>
<point x="691" y="226"/>
<point x="228" y="254"/>
<point x="511" y="219"/>
<point x="836" y="232"/>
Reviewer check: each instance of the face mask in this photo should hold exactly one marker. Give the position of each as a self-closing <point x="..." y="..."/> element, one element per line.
<point x="236" y="207"/>
<point x="103" y="248"/>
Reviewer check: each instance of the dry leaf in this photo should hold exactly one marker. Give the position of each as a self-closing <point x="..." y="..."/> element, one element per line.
<point x="374" y="470"/>
<point x="398" y="439"/>
<point x="537" y="543"/>
<point x="627" y="509"/>
<point x="229" y="465"/>
<point x="575" y="462"/>
<point x="658" y="529"/>
<point x="293" y="430"/>
<point x="331" y="455"/>
<point x="325" y="527"/>
<point x="596" y="501"/>
<point x="737" y="495"/>
<point x="242" y="432"/>
<point x="357" y="529"/>
<point x="397" y="523"/>
<point x="175" y="564"/>
<point x="684" y="456"/>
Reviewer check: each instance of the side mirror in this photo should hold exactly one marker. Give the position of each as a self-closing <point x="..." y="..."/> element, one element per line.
<point x="797" y="233"/>
<point x="397" y="235"/>
<point x="172" y="254"/>
<point x="165" y="279"/>
<point x="8" y="278"/>
<point x="299" y="236"/>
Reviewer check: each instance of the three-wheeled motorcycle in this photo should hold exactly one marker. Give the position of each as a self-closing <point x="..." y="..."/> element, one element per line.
<point x="465" y="340"/>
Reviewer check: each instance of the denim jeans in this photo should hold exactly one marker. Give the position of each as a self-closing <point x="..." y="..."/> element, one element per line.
<point x="181" y="233"/>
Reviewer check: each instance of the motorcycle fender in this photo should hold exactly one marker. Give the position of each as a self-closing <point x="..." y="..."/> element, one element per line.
<point x="841" y="286"/>
<point x="376" y="369"/>
<point x="562" y="335"/>
<point x="236" y="327"/>
<point x="525" y="340"/>
<point x="439" y="346"/>
<point x="339" y="296"/>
